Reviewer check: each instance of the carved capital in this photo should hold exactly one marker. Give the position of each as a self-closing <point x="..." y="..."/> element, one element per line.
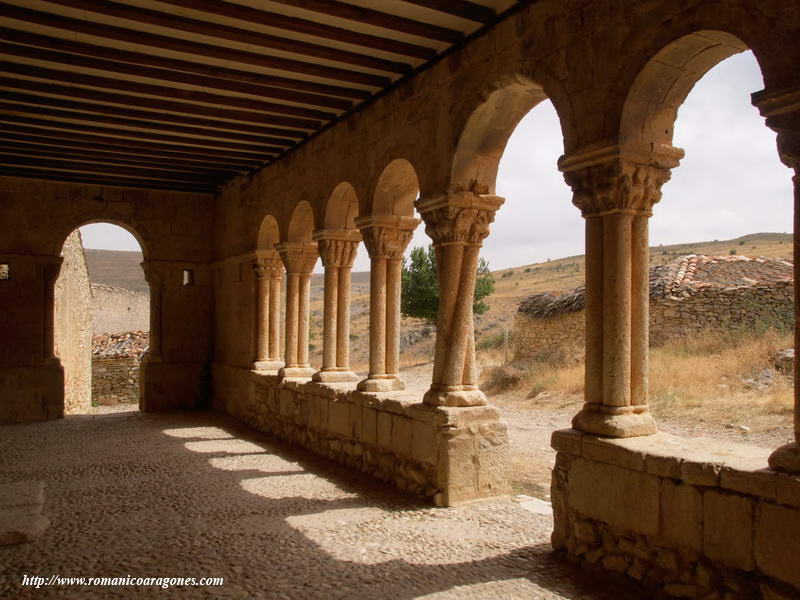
<point x="386" y="236"/>
<point x="461" y="218"/>
<point x="267" y="266"/>
<point x="616" y="186"/>
<point x="781" y="108"/>
<point x="338" y="247"/>
<point x="298" y="257"/>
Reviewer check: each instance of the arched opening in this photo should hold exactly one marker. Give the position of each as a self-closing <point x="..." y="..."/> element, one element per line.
<point x="721" y="302"/>
<point x="301" y="224"/>
<point x="102" y="318"/>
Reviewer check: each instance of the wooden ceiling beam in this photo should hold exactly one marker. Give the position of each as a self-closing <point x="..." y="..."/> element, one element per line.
<point x="235" y="34"/>
<point x="14" y="109"/>
<point x="376" y="18"/>
<point x="52" y="139"/>
<point x="154" y="103"/>
<point x="143" y="38"/>
<point x="165" y="120"/>
<point x="192" y="151"/>
<point x="50" y="151"/>
<point x="105" y="180"/>
<point x="206" y="144"/>
<point x="89" y="166"/>
<point x="163" y="75"/>
<point x="175" y="64"/>
<point x="307" y="116"/>
<point x="459" y="8"/>
<point x="273" y="19"/>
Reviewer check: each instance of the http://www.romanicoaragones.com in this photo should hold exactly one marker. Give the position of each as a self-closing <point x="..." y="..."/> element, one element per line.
<point x="56" y="580"/>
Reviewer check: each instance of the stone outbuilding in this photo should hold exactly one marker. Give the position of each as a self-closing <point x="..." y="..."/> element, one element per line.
<point x="690" y="295"/>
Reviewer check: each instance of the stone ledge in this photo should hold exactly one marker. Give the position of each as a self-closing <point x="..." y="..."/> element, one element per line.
<point x="698" y="461"/>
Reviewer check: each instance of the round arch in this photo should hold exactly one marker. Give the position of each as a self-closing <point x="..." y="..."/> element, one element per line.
<point x="341" y="209"/>
<point x="301" y="224"/>
<point x="140" y="239"/>
<point x="268" y="233"/>
<point x="396" y="189"/>
<point x="662" y="85"/>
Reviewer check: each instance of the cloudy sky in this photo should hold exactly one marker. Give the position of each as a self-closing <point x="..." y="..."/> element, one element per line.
<point x="730" y="183"/>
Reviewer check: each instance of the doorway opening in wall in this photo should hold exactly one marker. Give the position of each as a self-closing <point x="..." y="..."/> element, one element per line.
<point x="102" y="319"/>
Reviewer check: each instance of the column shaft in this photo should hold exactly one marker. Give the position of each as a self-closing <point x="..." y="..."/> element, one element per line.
<point x="275" y="318"/>
<point x="343" y="320"/>
<point x="331" y="316"/>
<point x="304" y="306"/>
<point x="640" y="309"/>
<point x="393" y="282"/>
<point x="292" y="314"/>
<point x="377" y="317"/>
<point x="593" y="374"/>
<point x="262" y="302"/>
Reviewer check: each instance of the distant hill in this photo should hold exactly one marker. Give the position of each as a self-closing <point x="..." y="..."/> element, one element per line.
<point x="116" y="268"/>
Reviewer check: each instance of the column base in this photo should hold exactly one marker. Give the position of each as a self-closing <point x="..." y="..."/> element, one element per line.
<point x="629" y="424"/>
<point x="296" y="372"/>
<point x="267" y="365"/>
<point x="454" y="395"/>
<point x="786" y="459"/>
<point x="381" y="383"/>
<point x="334" y="376"/>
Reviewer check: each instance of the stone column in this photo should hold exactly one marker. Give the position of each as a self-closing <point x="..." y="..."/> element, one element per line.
<point x="268" y="272"/>
<point x="457" y="224"/>
<point x="781" y="108"/>
<point x="337" y="248"/>
<point x="616" y="191"/>
<point x="385" y="238"/>
<point x="50" y="272"/>
<point x="155" y="280"/>
<point x="298" y="259"/>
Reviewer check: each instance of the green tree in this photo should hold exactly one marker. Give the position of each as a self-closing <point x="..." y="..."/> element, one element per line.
<point x="420" y="292"/>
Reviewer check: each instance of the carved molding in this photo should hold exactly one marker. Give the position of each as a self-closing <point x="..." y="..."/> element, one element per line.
<point x="298" y="257"/>
<point x="268" y="267"/>
<point x="461" y="218"/>
<point x="386" y="236"/>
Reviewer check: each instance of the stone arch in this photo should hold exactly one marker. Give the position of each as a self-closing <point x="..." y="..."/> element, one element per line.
<point x="137" y="232"/>
<point x="301" y="224"/>
<point x="484" y="137"/>
<point x="396" y="189"/>
<point x="341" y="209"/>
<point x="652" y="103"/>
<point x="268" y="234"/>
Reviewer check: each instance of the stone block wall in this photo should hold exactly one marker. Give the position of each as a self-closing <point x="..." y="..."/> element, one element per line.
<point x="692" y="518"/>
<point x="115" y="380"/>
<point x="448" y="455"/>
<point x="711" y="309"/>
<point x="73" y="325"/>
<point x="117" y="309"/>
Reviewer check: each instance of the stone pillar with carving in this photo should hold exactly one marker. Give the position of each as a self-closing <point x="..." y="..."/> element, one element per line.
<point x="155" y="279"/>
<point x="616" y="191"/>
<point x="337" y="248"/>
<point x="782" y="111"/>
<point x="299" y="259"/>
<point x="268" y="271"/>
<point x="386" y="238"/>
<point x="457" y="224"/>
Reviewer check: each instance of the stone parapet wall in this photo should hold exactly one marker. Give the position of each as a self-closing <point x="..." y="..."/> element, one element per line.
<point x="449" y="455"/>
<point x="694" y="518"/>
<point x="116" y="309"/>
<point x="710" y="309"/>
<point x="115" y="380"/>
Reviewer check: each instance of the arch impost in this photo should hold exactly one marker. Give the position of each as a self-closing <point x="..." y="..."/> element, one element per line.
<point x="298" y="257"/>
<point x="386" y="236"/>
<point x="609" y="178"/>
<point x="777" y="102"/>
<point x="460" y="218"/>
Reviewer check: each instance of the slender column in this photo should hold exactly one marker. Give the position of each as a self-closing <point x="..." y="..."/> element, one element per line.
<point x="50" y="271"/>
<point x="268" y="272"/>
<point x="616" y="194"/>
<point x="155" y="280"/>
<point x="337" y="248"/>
<point x="457" y="224"/>
<point x="299" y="259"/>
<point x="386" y="238"/>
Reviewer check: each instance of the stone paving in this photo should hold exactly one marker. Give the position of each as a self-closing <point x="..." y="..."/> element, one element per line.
<point x="198" y="495"/>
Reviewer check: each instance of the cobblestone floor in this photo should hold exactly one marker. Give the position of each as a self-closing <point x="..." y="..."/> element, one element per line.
<point x="198" y="495"/>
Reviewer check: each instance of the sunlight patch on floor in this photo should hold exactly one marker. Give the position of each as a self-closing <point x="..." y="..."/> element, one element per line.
<point x="268" y="463"/>
<point x="208" y="433"/>
<point x="228" y="446"/>
<point x="303" y="485"/>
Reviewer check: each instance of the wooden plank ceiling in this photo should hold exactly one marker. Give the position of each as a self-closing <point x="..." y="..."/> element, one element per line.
<point x="185" y="94"/>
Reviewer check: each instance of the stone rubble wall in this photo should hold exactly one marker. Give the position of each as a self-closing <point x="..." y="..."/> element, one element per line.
<point x="115" y="380"/>
<point x="689" y="518"/>
<point x="116" y="309"/>
<point x="448" y="455"/>
<point x="72" y="331"/>
<point x="710" y="309"/>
